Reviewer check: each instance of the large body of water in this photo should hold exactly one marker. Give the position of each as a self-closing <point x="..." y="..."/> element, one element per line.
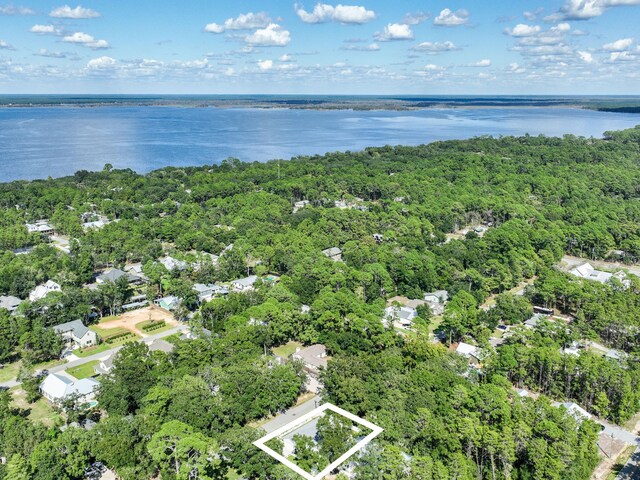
<point x="40" y="141"/>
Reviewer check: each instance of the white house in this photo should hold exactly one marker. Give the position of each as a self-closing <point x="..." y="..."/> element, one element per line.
<point x="43" y="290"/>
<point x="471" y="352"/>
<point x="587" y="272"/>
<point x="439" y="296"/>
<point x="57" y="389"/>
<point x="105" y="366"/>
<point x="313" y="358"/>
<point x="244" y="284"/>
<point x="40" y="226"/>
<point x="168" y="303"/>
<point x="402" y="315"/>
<point x="76" y="334"/>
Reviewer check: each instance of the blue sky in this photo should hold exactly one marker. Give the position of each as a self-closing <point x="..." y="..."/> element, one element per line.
<point x="364" y="47"/>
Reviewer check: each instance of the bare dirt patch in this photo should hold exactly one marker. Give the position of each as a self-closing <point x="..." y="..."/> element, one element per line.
<point x="129" y="320"/>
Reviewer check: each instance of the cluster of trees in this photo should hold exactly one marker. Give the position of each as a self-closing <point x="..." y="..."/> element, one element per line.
<point x="440" y="425"/>
<point x="188" y="413"/>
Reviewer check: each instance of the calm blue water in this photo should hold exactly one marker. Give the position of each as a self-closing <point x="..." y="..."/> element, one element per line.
<point x="40" y="142"/>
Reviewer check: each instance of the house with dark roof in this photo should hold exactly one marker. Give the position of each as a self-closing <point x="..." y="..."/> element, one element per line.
<point x="76" y="334"/>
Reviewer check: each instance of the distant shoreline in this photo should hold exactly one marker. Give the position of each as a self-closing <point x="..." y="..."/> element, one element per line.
<point x="309" y="102"/>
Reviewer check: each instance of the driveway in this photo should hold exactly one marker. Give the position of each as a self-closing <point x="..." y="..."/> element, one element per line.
<point x="631" y="470"/>
<point x="292" y="414"/>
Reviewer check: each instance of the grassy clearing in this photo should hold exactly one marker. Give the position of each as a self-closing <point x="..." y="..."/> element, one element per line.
<point x="287" y="349"/>
<point x="434" y="322"/>
<point x="108" y="332"/>
<point x="39" y="412"/>
<point x="140" y="326"/>
<point x="9" y="371"/>
<point x="83" y="371"/>
<point x="104" y="347"/>
<point x="621" y="461"/>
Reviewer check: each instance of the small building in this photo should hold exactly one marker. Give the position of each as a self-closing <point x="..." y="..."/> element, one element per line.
<point x="105" y="366"/>
<point x="588" y="272"/>
<point x="95" y="225"/>
<point x="402" y="315"/>
<point x="314" y="358"/>
<point x="334" y="253"/>
<point x="439" y="296"/>
<point x="535" y="320"/>
<point x="576" y="411"/>
<point x="134" y="268"/>
<point x="470" y="352"/>
<point x="168" y="303"/>
<point x="57" y="388"/>
<point x="172" y="264"/>
<point x="40" y="226"/>
<point x="43" y="290"/>
<point x="76" y="334"/>
<point x="300" y="205"/>
<point x="244" y="284"/>
<point x="116" y="274"/>
<point x="9" y="303"/>
<point x="160" y="345"/>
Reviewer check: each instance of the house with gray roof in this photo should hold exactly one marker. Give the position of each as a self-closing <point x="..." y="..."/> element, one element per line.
<point x="43" y="290"/>
<point x="314" y="358"/>
<point x="105" y="366"/>
<point x="334" y="253"/>
<point x="244" y="284"/>
<point x="76" y="334"/>
<point x="9" y="303"/>
<point x="116" y="274"/>
<point x="57" y="388"/>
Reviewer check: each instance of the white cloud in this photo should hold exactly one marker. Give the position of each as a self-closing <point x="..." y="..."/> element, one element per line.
<point x="415" y="18"/>
<point x="618" y="45"/>
<point x="433" y="68"/>
<point x="265" y="65"/>
<point x="86" y="40"/>
<point x="13" y="10"/>
<point x="6" y="46"/>
<point x="43" y="52"/>
<point x="273" y="35"/>
<point x="620" y="56"/>
<point x="395" y="31"/>
<point x="587" y="9"/>
<point x="244" y="21"/>
<point x="448" y="18"/>
<point x="586" y="57"/>
<point x="532" y="16"/>
<point x="523" y="30"/>
<point x="285" y="57"/>
<point x="433" y="48"/>
<point x="485" y="62"/>
<point x="101" y="62"/>
<point x="45" y="30"/>
<point x="79" y="12"/>
<point x="230" y="72"/>
<point x="515" y="68"/>
<point x="372" y="47"/>
<point x="323" y="12"/>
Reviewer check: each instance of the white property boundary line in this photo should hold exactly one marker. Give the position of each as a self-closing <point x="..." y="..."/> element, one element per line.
<point x="375" y="431"/>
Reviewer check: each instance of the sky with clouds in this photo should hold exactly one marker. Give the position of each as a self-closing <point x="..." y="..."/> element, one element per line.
<point x="365" y="47"/>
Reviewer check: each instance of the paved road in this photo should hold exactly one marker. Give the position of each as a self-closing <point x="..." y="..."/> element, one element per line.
<point x="631" y="470"/>
<point x="291" y="414"/>
<point x="102" y="355"/>
<point x="618" y="433"/>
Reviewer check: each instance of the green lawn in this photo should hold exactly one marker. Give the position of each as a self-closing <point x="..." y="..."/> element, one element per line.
<point x="153" y="332"/>
<point x="9" y="371"/>
<point x="103" y="347"/>
<point x="40" y="412"/>
<point x="434" y="322"/>
<point x="287" y="349"/>
<point x="107" y="332"/>
<point x="83" y="371"/>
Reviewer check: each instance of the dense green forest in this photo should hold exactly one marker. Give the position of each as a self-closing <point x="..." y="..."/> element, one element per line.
<point x="192" y="413"/>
